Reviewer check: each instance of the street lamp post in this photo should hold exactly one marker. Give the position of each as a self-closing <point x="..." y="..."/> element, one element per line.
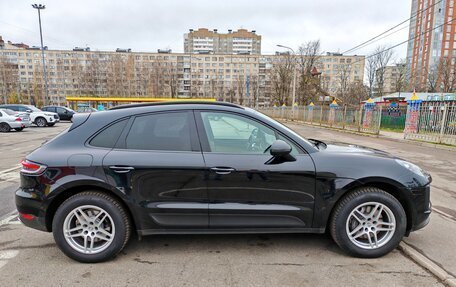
<point x="39" y="7"/>
<point x="294" y="77"/>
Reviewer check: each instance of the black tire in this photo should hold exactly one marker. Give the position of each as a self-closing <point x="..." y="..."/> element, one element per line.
<point x="41" y="122"/>
<point x="4" y="127"/>
<point x="18" y="129"/>
<point x="51" y="124"/>
<point x="116" y="211"/>
<point x="366" y="196"/>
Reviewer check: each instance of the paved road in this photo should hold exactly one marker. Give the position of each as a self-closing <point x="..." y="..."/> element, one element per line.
<point x="234" y="260"/>
<point x="436" y="241"/>
<point x="14" y="146"/>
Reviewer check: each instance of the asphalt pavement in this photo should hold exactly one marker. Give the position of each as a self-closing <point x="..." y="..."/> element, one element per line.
<point x="31" y="258"/>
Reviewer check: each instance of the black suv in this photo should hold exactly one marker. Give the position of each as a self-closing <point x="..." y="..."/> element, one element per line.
<point x="64" y="113"/>
<point x="212" y="168"/>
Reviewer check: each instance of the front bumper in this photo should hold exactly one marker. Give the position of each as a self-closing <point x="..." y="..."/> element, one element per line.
<point x="423" y="207"/>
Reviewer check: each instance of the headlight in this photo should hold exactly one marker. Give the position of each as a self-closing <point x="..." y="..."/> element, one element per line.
<point x="412" y="167"/>
<point x="49" y="115"/>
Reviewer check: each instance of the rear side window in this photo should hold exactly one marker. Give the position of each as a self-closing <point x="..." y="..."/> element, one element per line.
<point x="109" y="136"/>
<point x="163" y="131"/>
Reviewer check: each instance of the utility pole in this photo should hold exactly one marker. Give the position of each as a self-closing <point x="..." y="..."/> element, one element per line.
<point x="40" y="7"/>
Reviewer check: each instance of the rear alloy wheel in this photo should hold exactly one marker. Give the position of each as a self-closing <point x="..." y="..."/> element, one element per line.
<point x="4" y="127"/>
<point x="368" y="222"/>
<point x="41" y="122"/>
<point x="91" y="227"/>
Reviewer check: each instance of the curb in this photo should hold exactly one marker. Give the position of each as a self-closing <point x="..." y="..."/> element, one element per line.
<point x="10" y="169"/>
<point x="427" y="264"/>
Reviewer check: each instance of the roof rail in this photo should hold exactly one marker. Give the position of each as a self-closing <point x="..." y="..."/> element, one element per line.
<point x="188" y="102"/>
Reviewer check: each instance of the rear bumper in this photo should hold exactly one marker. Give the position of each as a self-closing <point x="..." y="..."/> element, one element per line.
<point x="30" y="210"/>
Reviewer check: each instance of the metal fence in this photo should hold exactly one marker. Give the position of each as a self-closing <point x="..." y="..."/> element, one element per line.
<point x="358" y="119"/>
<point x="393" y="118"/>
<point x="436" y="122"/>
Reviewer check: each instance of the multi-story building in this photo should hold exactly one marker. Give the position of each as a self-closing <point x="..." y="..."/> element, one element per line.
<point x="336" y="68"/>
<point x="244" y="79"/>
<point x="432" y="38"/>
<point x="204" y="41"/>
<point x="392" y="79"/>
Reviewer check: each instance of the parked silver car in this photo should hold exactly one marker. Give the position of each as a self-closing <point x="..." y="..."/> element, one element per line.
<point x="13" y="120"/>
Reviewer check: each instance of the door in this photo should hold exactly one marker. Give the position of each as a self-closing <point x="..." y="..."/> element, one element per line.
<point x="159" y="164"/>
<point x="246" y="189"/>
<point x="64" y="114"/>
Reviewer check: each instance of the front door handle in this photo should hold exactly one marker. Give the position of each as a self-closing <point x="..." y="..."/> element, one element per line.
<point x="222" y="170"/>
<point x="121" y="169"/>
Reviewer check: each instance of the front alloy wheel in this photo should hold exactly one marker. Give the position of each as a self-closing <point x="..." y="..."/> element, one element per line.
<point x="41" y="122"/>
<point x="371" y="225"/>
<point x="368" y="222"/>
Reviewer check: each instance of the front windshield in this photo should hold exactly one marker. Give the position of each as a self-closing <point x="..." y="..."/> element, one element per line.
<point x="33" y="108"/>
<point x="278" y="123"/>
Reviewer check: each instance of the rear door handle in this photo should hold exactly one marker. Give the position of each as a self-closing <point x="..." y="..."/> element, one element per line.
<point x="121" y="169"/>
<point x="222" y="170"/>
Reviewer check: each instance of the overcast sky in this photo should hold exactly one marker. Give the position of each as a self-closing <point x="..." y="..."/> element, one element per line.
<point x="146" y="25"/>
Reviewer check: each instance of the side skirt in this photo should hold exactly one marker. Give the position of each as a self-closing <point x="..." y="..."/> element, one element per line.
<point x="229" y="231"/>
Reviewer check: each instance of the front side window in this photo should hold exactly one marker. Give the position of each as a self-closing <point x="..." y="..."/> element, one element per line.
<point x="230" y="133"/>
<point x="161" y="131"/>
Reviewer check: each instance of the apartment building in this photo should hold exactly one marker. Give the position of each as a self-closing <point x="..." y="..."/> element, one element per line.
<point x="239" y="78"/>
<point x="392" y="79"/>
<point x="204" y="41"/>
<point x="432" y="38"/>
<point x="336" y="68"/>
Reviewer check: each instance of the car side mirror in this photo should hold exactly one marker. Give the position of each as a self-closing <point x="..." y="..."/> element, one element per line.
<point x="281" y="152"/>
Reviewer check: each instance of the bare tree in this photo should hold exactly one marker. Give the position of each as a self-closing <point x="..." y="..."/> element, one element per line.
<point x="309" y="84"/>
<point x="357" y="92"/>
<point x="9" y="78"/>
<point x="344" y="80"/>
<point x="254" y="89"/>
<point x="447" y="75"/>
<point x="281" y="78"/>
<point x="240" y="88"/>
<point x="371" y="68"/>
<point x="432" y="79"/>
<point x="309" y="54"/>
<point x="399" y="77"/>
<point x="382" y="56"/>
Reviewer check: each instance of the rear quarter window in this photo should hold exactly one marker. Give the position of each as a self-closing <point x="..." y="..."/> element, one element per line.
<point x="108" y="136"/>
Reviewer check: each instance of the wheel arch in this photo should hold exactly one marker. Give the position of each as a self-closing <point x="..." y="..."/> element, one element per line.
<point x="390" y="186"/>
<point x="73" y="190"/>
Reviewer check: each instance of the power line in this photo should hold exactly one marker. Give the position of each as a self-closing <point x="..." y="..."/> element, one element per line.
<point x="406" y="41"/>
<point x="390" y="29"/>
<point x="394" y="32"/>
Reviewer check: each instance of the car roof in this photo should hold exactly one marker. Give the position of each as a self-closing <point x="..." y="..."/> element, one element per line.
<point x="171" y="103"/>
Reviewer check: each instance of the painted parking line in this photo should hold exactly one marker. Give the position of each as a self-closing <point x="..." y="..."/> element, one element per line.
<point x="10" y="169"/>
<point x="6" y="255"/>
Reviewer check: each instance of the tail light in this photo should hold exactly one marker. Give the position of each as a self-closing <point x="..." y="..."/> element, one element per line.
<point x="32" y="168"/>
<point x="18" y="120"/>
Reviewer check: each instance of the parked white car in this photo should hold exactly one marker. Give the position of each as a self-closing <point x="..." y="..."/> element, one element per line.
<point x="9" y="120"/>
<point x="37" y="116"/>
